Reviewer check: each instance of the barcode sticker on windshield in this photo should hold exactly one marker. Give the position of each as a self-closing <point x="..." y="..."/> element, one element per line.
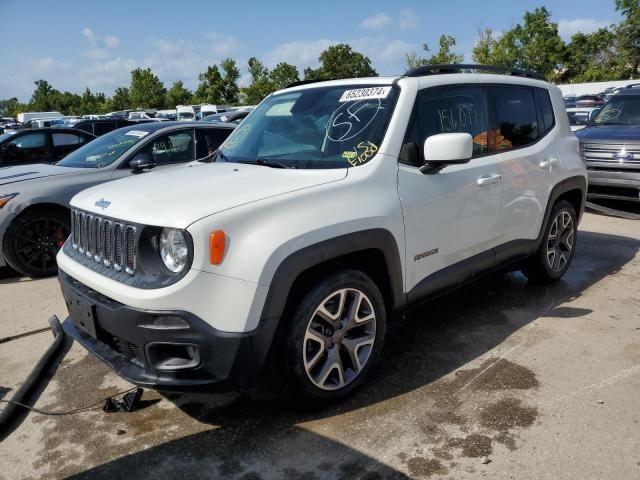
<point x="137" y="133"/>
<point x="365" y="94"/>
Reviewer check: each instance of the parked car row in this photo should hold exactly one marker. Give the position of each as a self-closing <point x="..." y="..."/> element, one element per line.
<point x="330" y="210"/>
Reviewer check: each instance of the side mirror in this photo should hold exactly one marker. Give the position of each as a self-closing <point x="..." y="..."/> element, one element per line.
<point x="446" y="149"/>
<point x="142" y="161"/>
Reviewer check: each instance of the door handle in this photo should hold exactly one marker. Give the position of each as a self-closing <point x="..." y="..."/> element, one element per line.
<point x="548" y="163"/>
<point x="491" y="179"/>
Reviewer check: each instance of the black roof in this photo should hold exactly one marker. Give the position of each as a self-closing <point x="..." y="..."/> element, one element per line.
<point x="53" y="130"/>
<point x="155" y="126"/>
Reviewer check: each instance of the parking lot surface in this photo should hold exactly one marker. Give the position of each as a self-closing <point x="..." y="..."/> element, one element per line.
<point x="500" y="379"/>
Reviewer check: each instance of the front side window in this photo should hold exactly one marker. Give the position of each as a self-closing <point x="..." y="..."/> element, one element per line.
<point x="620" y="110"/>
<point x="320" y="127"/>
<point x="453" y="110"/>
<point x="104" y="150"/>
<point x="30" y="140"/>
<point x="176" y="147"/>
<point x="515" y="117"/>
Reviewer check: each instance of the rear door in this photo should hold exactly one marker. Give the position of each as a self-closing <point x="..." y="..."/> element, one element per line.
<point x="527" y="157"/>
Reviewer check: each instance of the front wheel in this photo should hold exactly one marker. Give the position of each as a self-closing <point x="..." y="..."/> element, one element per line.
<point x="33" y="240"/>
<point x="336" y="337"/>
<point x="556" y="251"/>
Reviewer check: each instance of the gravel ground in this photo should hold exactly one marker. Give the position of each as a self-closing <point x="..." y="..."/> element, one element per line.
<point x="501" y="379"/>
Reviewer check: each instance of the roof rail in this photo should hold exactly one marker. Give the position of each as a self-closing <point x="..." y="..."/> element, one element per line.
<point x="303" y="82"/>
<point x="458" y="67"/>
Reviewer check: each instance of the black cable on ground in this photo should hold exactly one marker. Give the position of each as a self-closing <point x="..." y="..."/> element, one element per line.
<point x="86" y="408"/>
<point x="22" y="335"/>
<point x="6" y="416"/>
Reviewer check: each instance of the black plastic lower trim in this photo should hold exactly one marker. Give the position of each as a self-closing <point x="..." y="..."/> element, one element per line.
<point x="227" y="360"/>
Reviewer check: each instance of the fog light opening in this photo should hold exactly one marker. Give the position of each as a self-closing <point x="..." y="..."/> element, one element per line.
<point x="173" y="356"/>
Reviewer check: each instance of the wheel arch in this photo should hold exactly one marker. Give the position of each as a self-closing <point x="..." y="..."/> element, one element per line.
<point x="375" y="252"/>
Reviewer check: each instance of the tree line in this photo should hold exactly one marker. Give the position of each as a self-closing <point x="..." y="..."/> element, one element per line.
<point x="610" y="53"/>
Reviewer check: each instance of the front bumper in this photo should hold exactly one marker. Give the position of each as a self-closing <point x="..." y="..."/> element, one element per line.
<point x="126" y="339"/>
<point x="614" y="185"/>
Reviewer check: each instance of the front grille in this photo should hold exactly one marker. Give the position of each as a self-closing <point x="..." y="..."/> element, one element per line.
<point x="106" y="241"/>
<point x="604" y="156"/>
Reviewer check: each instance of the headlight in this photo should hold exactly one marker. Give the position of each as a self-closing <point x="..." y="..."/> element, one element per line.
<point x="174" y="249"/>
<point x="4" y="199"/>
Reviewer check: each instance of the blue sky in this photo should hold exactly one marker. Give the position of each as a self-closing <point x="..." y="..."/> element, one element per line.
<point x="75" y="44"/>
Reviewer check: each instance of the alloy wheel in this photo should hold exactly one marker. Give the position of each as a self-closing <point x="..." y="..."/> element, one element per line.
<point x="339" y="339"/>
<point x="560" y="242"/>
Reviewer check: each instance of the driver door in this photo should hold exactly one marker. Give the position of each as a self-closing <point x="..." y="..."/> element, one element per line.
<point x="450" y="216"/>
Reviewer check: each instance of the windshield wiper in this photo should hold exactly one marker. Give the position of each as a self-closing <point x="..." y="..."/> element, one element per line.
<point x="268" y="163"/>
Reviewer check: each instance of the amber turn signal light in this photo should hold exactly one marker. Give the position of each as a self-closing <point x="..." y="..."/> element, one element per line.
<point x="217" y="242"/>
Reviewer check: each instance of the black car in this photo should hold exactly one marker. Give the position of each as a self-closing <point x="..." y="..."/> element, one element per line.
<point x="99" y="127"/>
<point x="40" y="145"/>
<point x="610" y="146"/>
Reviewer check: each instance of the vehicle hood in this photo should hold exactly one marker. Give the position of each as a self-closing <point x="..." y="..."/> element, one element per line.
<point x="23" y="173"/>
<point x="180" y="196"/>
<point x="610" y="134"/>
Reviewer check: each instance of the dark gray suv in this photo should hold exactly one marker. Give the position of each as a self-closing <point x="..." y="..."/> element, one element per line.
<point x="610" y="147"/>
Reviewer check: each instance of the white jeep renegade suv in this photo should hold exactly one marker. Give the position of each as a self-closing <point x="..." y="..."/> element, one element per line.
<point x="331" y="209"/>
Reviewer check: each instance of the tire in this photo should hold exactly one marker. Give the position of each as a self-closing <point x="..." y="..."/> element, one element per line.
<point x="554" y="256"/>
<point x="32" y="241"/>
<point x="327" y="354"/>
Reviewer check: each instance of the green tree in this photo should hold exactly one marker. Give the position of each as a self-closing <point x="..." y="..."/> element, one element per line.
<point x="43" y="97"/>
<point x="592" y="57"/>
<point x="284" y="74"/>
<point x="340" y="61"/>
<point x="9" y="106"/>
<point x="121" y="99"/>
<point x="444" y="56"/>
<point x="533" y="45"/>
<point x="178" y="95"/>
<point x="628" y="37"/>
<point x="146" y="91"/>
<point x="210" y="88"/>
<point x="260" y="85"/>
<point x="230" y="89"/>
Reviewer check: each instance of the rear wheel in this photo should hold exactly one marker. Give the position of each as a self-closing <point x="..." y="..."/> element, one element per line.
<point x="336" y="337"/>
<point x="33" y="240"/>
<point x="556" y="251"/>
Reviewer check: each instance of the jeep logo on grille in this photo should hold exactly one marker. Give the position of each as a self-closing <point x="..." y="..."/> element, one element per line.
<point x="102" y="203"/>
<point x="623" y="155"/>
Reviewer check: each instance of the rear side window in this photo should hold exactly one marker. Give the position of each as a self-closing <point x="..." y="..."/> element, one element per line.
<point x="62" y="139"/>
<point x="548" y="120"/>
<point x="515" y="116"/>
<point x="453" y="109"/>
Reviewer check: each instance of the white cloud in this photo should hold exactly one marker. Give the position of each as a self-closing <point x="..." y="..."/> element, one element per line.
<point x="221" y="44"/>
<point x="376" y="22"/>
<point x="567" y="28"/>
<point x="408" y="20"/>
<point x="111" y="41"/>
<point x="300" y="53"/>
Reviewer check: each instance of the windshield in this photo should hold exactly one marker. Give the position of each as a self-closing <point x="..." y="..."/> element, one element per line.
<point x="185" y="115"/>
<point x="103" y="150"/>
<point x="620" y="110"/>
<point x="323" y="127"/>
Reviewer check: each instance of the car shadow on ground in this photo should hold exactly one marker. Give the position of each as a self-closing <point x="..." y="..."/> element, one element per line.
<point x="253" y="438"/>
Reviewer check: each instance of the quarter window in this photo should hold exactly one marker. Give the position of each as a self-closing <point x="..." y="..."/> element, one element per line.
<point x="515" y="116"/>
<point x="451" y="110"/>
<point x="548" y="120"/>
